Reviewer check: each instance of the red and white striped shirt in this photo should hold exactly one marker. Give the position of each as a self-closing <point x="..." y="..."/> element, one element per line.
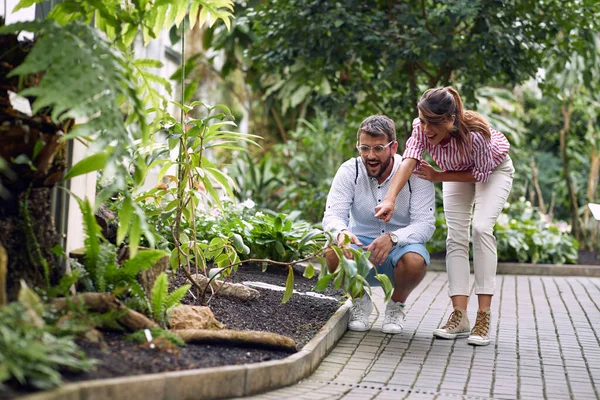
<point x="484" y="157"/>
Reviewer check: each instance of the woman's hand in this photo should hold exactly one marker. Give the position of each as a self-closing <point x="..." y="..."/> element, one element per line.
<point x="426" y="171"/>
<point x="385" y="210"/>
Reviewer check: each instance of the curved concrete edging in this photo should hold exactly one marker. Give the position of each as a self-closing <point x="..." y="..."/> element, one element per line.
<point x="532" y="269"/>
<point x="212" y="383"/>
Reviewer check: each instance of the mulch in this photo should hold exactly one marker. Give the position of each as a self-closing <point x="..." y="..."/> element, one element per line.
<point x="300" y="318"/>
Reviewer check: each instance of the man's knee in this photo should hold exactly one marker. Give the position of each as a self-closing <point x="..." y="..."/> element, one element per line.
<point x="333" y="260"/>
<point x="412" y="262"/>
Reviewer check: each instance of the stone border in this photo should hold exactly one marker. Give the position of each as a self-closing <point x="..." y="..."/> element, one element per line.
<point x="532" y="269"/>
<point x="212" y="383"/>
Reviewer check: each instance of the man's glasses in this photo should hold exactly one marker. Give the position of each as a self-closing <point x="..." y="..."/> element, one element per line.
<point x="364" y="149"/>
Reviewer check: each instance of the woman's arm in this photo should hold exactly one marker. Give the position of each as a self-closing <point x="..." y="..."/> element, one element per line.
<point x="385" y="210"/>
<point x="426" y="171"/>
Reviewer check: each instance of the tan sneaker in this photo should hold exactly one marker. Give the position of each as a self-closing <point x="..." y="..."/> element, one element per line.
<point x="457" y="326"/>
<point x="480" y="335"/>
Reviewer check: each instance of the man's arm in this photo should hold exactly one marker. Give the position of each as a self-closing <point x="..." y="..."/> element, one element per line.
<point x="339" y="201"/>
<point x="422" y="214"/>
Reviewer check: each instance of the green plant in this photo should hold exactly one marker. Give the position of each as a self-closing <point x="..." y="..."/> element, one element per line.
<point x="350" y="275"/>
<point x="100" y="271"/>
<point x="139" y="337"/>
<point x="162" y="301"/>
<point x="31" y="352"/>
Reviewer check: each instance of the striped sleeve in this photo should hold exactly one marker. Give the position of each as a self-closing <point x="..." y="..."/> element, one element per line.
<point x="415" y="145"/>
<point x="483" y="160"/>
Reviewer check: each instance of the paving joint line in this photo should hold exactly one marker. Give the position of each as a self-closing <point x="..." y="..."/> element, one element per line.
<point x="587" y="366"/>
<point x="517" y="341"/>
<point x="496" y="339"/>
<point x="415" y="333"/>
<point x="560" y="350"/>
<point x="380" y="388"/>
<point x="389" y="337"/>
<point x="537" y="339"/>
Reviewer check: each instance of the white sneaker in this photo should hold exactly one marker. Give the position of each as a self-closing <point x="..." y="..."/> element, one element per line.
<point x="394" y="318"/>
<point x="359" y="315"/>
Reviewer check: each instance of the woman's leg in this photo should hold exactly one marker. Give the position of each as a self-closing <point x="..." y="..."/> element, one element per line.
<point x="490" y="198"/>
<point x="458" y="205"/>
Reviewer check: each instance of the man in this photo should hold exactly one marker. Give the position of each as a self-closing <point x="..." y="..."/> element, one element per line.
<point x="397" y="247"/>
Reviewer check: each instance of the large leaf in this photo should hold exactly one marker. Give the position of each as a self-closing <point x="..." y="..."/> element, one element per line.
<point x="289" y="286"/>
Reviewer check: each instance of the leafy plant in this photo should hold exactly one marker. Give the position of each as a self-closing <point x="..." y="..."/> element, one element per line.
<point x="350" y="275"/>
<point x="29" y="353"/>
<point x="162" y="300"/>
<point x="101" y="271"/>
<point x="139" y="337"/>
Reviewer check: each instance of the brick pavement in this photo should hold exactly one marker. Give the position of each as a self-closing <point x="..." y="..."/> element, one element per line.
<point x="545" y="345"/>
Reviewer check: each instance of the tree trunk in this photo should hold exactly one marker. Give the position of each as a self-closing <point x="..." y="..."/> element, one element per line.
<point x="536" y="185"/>
<point x="28" y="235"/>
<point x="566" y="112"/>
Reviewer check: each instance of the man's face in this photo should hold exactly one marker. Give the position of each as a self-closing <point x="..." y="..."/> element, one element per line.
<point x="379" y="165"/>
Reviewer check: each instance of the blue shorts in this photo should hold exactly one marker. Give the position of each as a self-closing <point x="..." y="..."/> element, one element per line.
<point x="392" y="259"/>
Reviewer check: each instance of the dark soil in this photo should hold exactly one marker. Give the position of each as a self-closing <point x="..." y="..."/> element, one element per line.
<point x="300" y="318"/>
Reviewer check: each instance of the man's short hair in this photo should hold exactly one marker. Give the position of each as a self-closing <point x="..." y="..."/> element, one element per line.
<point x="377" y="125"/>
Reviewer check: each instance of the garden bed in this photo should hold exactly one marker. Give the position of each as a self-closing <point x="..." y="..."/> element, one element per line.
<point x="300" y="318"/>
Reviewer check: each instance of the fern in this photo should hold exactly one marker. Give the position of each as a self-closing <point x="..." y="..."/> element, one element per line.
<point x="139" y="337"/>
<point x="176" y="296"/>
<point x="160" y="291"/>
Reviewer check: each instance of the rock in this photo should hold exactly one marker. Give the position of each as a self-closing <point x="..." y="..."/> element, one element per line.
<point x="193" y="317"/>
<point x="236" y="290"/>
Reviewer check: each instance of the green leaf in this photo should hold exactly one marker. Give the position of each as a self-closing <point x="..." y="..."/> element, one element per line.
<point x="125" y="214"/>
<point x="309" y="271"/>
<point x="92" y="163"/>
<point x="143" y="260"/>
<point x="239" y="244"/>
<point x="159" y="295"/>
<point x="386" y="285"/>
<point x="135" y="234"/>
<point x="175" y="297"/>
<point x="289" y="286"/>
<point x="323" y="282"/>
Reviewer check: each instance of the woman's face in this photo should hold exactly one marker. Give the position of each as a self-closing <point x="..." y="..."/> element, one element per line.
<point x="436" y="133"/>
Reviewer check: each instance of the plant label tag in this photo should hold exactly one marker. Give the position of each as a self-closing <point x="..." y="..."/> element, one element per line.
<point x="595" y="209"/>
<point x="19" y="103"/>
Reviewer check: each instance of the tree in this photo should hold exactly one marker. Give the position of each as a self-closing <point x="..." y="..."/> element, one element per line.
<point x="379" y="56"/>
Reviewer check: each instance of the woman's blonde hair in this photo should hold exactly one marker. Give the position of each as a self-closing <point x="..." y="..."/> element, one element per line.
<point x="439" y="105"/>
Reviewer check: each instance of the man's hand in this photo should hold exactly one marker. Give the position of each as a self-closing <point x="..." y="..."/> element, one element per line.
<point x="353" y="240"/>
<point x="385" y="210"/>
<point x="426" y="171"/>
<point x="380" y="249"/>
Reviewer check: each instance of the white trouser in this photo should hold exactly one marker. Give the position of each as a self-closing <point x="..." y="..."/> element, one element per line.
<point x="489" y="199"/>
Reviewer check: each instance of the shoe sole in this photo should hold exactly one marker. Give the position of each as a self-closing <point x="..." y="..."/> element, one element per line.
<point x="451" y="336"/>
<point x="478" y="342"/>
<point x="359" y="329"/>
<point x="391" y="331"/>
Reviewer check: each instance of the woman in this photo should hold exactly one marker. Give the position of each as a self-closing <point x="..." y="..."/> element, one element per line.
<point x="476" y="170"/>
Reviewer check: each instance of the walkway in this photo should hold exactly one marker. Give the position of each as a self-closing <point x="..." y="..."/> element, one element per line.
<point x="545" y="345"/>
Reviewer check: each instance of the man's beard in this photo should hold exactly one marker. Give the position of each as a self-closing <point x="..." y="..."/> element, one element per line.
<point x="383" y="166"/>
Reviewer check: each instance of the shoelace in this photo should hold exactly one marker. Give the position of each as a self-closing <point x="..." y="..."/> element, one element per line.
<point x="454" y="320"/>
<point x="394" y="314"/>
<point x="482" y="324"/>
<point x="357" y="312"/>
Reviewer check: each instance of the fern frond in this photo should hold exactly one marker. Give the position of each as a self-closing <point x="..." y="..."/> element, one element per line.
<point x="142" y="260"/>
<point x="106" y="261"/>
<point x="91" y="230"/>
<point x="160" y="291"/>
<point x="174" y="299"/>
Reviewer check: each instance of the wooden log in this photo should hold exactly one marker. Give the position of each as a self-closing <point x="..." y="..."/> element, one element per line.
<point x="104" y="302"/>
<point x="248" y="338"/>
